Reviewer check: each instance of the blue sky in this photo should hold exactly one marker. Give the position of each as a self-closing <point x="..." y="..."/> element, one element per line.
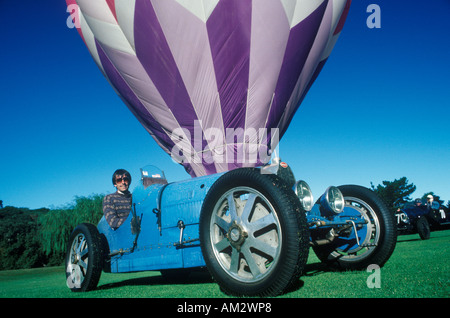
<point x="378" y="111"/>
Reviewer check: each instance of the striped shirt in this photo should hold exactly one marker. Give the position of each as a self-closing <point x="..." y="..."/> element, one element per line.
<point x="116" y="208"/>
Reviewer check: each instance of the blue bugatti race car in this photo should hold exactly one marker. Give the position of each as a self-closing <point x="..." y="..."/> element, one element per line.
<point x="252" y="228"/>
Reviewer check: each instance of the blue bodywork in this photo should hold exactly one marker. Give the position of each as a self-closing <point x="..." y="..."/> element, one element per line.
<point x="163" y="243"/>
<point x="158" y="242"/>
<point x="349" y="216"/>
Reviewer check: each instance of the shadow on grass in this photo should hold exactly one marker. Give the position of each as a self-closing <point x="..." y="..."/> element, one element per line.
<point x="410" y="240"/>
<point x="195" y="277"/>
<point x="318" y="268"/>
<point x="440" y="233"/>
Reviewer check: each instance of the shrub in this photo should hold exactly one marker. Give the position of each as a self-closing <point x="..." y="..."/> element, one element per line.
<point x="56" y="225"/>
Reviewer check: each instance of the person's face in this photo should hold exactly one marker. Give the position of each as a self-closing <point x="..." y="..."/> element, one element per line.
<point x="122" y="182"/>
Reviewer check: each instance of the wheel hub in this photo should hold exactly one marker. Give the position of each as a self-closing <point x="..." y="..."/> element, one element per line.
<point x="236" y="236"/>
<point x="75" y="258"/>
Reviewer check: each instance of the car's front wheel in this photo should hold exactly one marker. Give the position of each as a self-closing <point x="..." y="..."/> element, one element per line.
<point x="253" y="234"/>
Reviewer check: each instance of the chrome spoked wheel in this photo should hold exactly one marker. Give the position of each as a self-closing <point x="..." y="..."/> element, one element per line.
<point x="84" y="258"/>
<point x="245" y="234"/>
<point x="253" y="234"/>
<point x="78" y="261"/>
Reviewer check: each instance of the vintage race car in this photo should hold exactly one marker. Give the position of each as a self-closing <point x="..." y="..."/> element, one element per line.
<point x="250" y="227"/>
<point x="422" y="219"/>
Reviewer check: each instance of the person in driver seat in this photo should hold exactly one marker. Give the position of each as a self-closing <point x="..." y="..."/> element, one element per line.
<point x="117" y="206"/>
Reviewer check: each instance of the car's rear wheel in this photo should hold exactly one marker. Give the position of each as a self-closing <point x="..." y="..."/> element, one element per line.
<point x="253" y="234"/>
<point x="84" y="258"/>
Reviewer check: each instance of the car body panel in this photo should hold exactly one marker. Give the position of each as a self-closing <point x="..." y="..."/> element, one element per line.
<point x="158" y="241"/>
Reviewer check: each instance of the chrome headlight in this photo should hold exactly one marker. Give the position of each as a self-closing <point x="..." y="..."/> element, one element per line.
<point x="304" y="194"/>
<point x="332" y="201"/>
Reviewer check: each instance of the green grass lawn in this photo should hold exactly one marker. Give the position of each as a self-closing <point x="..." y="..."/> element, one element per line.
<point x="416" y="269"/>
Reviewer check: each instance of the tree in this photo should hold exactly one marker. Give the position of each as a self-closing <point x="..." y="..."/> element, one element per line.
<point x="19" y="244"/>
<point x="33" y="238"/>
<point x="56" y="225"/>
<point x="394" y="193"/>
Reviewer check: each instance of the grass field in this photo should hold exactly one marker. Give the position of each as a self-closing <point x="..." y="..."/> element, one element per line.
<point x="416" y="269"/>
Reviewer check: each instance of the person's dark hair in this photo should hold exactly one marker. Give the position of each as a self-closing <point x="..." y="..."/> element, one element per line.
<point x="120" y="172"/>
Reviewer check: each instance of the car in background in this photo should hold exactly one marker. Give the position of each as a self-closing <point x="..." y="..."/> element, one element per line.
<point x="419" y="217"/>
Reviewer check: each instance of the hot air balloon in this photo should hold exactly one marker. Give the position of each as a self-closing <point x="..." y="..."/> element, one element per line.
<point x="216" y="83"/>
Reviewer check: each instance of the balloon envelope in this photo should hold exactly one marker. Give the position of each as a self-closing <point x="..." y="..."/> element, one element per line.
<point x="215" y="82"/>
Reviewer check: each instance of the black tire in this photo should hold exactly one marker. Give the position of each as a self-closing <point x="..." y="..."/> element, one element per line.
<point x="381" y="236"/>
<point x="84" y="258"/>
<point x="423" y="228"/>
<point x="253" y="234"/>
